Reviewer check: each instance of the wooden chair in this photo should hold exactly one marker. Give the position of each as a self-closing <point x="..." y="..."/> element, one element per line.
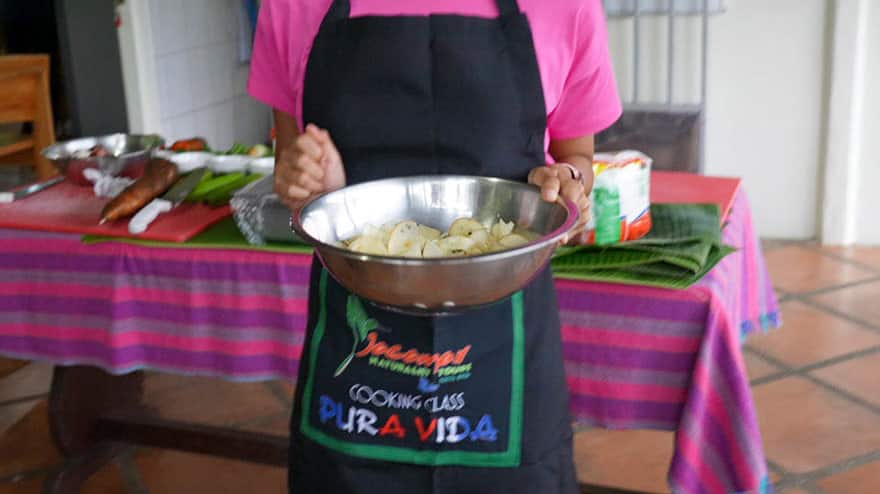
<point x="24" y="97"/>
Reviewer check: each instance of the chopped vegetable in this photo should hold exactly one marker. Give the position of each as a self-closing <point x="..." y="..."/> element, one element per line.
<point x="260" y="151"/>
<point x="158" y="177"/>
<point x="238" y="148"/>
<point x="99" y="151"/>
<point x="466" y="237"/>
<point x="194" y="144"/>
<point x="207" y="186"/>
<point x="222" y="195"/>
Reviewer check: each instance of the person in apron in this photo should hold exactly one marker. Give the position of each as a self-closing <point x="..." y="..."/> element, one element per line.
<point x="390" y="403"/>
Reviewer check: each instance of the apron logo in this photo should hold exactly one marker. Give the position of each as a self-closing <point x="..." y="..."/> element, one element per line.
<point x="448" y="365"/>
<point x="426" y="386"/>
<point x="440" y="429"/>
<point x="361" y="324"/>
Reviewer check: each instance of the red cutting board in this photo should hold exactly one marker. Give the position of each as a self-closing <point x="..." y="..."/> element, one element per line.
<point x="688" y="188"/>
<point x="70" y="208"/>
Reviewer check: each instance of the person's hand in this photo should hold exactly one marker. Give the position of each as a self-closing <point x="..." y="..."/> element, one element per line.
<point x="559" y="180"/>
<point x="308" y="167"/>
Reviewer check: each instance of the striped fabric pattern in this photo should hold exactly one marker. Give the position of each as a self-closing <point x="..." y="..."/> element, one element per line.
<point x="636" y="357"/>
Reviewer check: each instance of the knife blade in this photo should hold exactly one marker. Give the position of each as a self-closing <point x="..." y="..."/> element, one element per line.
<point x="171" y="199"/>
<point x="12" y="196"/>
<point x="182" y="189"/>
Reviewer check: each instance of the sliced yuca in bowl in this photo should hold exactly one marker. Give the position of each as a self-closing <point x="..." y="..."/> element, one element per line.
<point x="466" y="236"/>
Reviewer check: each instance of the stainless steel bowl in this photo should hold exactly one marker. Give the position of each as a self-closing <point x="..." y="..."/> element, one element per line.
<point x="125" y="151"/>
<point x="433" y="286"/>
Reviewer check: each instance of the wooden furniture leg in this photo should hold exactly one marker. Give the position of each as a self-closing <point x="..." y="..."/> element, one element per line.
<point x="78" y="398"/>
<point x="94" y="416"/>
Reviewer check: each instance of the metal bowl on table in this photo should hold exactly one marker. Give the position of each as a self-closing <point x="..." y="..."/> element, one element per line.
<point x="434" y="286"/>
<point x="122" y="151"/>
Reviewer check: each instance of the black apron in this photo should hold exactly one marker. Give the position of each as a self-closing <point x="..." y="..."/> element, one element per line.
<point x="389" y="403"/>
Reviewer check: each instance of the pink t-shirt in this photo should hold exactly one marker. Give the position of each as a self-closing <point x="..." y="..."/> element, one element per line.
<point x="570" y="41"/>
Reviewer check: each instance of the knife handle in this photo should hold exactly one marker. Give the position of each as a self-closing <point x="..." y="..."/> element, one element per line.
<point x="141" y="221"/>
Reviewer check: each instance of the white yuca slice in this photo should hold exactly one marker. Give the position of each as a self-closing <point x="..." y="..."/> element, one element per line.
<point x="513" y="240"/>
<point x="476" y="250"/>
<point x="502" y="229"/>
<point x="372" y="231"/>
<point x="463" y="226"/>
<point x="480" y="237"/>
<point x="432" y="249"/>
<point x="470" y="228"/>
<point x="429" y="233"/>
<point x="368" y="245"/>
<point x="455" y="245"/>
<point x="414" y="251"/>
<point x="405" y="237"/>
<point x="386" y="230"/>
<point x="493" y="245"/>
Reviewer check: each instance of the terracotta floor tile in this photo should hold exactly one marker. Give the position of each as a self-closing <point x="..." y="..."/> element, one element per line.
<point x="33" y="485"/>
<point x="278" y="425"/>
<point x="793" y="490"/>
<point x="169" y="472"/>
<point x="806" y="427"/>
<point x="210" y="401"/>
<point x="31" y="380"/>
<point x="637" y="460"/>
<point x="858" y="376"/>
<point x="864" y="255"/>
<point x="797" y="269"/>
<point x="109" y="480"/>
<point x="860" y="302"/>
<point x="286" y="389"/>
<point x="27" y="445"/>
<point x="758" y="367"/>
<point x="773" y="243"/>
<point x="862" y="480"/>
<point x="12" y="414"/>
<point x="8" y="366"/>
<point x="810" y="335"/>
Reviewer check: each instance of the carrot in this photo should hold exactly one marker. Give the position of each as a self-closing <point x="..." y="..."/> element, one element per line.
<point x="158" y="177"/>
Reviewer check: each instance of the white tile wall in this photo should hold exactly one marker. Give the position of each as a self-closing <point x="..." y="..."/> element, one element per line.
<point x="202" y="86"/>
<point x="252" y="123"/>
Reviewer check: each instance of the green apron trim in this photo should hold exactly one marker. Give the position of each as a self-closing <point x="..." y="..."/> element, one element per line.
<point x="508" y="458"/>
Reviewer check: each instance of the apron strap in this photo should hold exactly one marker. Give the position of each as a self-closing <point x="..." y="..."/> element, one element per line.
<point x="339" y="10"/>
<point x="508" y="7"/>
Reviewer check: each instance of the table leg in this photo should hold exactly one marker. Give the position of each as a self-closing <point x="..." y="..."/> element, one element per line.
<point x="79" y="398"/>
<point x="76" y="470"/>
<point x="94" y="416"/>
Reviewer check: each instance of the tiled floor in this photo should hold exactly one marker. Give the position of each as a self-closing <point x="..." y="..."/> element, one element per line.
<point x="816" y="383"/>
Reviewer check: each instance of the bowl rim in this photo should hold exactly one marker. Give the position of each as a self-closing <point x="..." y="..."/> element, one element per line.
<point x="53" y="152"/>
<point x="554" y="237"/>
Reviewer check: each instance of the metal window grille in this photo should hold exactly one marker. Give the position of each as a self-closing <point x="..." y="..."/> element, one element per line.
<point x="666" y="107"/>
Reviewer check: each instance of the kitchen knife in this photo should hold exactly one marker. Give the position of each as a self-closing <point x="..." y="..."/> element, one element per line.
<point x="12" y="196"/>
<point x="171" y="199"/>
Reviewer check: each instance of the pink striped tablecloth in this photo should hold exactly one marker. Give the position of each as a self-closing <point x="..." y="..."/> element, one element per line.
<point x="636" y="357"/>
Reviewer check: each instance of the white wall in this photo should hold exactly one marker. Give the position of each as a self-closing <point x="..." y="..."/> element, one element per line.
<point x="867" y="219"/>
<point x="765" y="99"/>
<point x="201" y="83"/>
